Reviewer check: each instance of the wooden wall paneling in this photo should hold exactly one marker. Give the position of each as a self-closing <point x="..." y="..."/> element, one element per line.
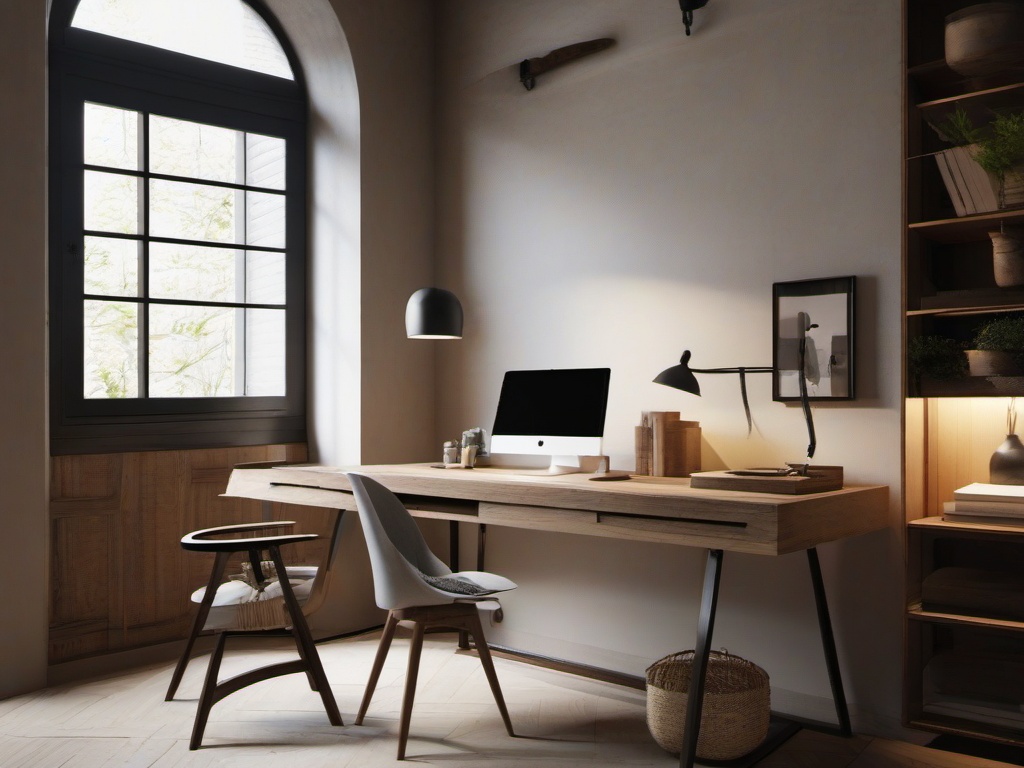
<point x="155" y="503"/>
<point x="119" y="576"/>
<point x="85" y="581"/>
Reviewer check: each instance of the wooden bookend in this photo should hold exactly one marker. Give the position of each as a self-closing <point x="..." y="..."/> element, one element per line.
<point x="667" y="446"/>
<point x="682" y="448"/>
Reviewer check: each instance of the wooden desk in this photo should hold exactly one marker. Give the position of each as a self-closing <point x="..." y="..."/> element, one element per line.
<point x="665" y="510"/>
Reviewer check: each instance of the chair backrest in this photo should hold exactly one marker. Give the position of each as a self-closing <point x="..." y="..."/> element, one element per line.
<point x="398" y="553"/>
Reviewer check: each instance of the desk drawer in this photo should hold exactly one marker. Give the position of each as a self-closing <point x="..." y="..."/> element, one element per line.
<point x="740" y="536"/>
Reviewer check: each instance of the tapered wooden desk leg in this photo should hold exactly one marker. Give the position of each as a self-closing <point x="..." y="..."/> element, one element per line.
<point x="828" y="642"/>
<point x="705" y="629"/>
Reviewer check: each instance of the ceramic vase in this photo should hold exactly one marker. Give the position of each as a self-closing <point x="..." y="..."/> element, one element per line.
<point x="1006" y="467"/>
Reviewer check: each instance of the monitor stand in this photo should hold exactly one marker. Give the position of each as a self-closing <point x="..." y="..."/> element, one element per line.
<point x="568" y="465"/>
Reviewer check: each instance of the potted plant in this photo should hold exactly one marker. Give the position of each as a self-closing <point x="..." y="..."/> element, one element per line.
<point x="936" y="357"/>
<point x="998" y="348"/>
<point x="998" y="150"/>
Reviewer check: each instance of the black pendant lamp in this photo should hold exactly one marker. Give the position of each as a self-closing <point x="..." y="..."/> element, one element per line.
<point x="433" y="313"/>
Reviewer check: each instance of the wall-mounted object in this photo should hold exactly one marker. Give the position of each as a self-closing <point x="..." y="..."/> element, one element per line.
<point x="433" y="313"/>
<point x="688" y="7"/>
<point x="530" y="69"/>
<point x="813" y="319"/>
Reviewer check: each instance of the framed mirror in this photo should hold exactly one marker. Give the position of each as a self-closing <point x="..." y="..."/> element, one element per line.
<point x="817" y="315"/>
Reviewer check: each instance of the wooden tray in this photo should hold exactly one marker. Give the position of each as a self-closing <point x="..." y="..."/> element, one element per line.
<point x="819" y="480"/>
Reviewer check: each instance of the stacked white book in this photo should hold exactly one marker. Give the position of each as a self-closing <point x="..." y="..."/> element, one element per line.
<point x="986" y="503"/>
<point x="970" y="187"/>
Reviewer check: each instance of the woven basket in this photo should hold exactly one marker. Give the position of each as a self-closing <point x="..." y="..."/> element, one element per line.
<point x="734" y="716"/>
<point x="270" y="613"/>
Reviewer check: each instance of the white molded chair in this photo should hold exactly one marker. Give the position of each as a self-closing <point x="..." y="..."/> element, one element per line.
<point x="414" y="586"/>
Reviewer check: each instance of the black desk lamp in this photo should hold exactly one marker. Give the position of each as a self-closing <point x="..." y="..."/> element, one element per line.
<point x="681" y="377"/>
<point x="433" y="313"/>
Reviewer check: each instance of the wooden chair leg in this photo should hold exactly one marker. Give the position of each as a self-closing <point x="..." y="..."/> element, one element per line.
<point x="477" y="630"/>
<point x="415" y="648"/>
<point x="378" y="664"/>
<point x="198" y="623"/>
<point x="304" y="643"/>
<point x="208" y="697"/>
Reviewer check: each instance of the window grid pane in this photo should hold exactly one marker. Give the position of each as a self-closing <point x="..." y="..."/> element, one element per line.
<point x="193" y="350"/>
<point x="111" y="349"/>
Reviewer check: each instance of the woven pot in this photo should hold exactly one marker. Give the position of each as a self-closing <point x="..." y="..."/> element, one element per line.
<point x="1008" y="257"/>
<point x="735" y="713"/>
<point x="985" y="39"/>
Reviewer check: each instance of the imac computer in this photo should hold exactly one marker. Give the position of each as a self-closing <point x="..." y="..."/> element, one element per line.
<point x="557" y="413"/>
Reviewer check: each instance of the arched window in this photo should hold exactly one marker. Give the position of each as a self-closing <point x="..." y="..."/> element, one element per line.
<point x="178" y="137"/>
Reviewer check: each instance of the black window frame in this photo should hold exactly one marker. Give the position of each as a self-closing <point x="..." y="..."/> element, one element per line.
<point x="87" y="66"/>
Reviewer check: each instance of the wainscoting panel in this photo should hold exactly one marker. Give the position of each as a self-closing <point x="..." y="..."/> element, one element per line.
<point x="119" y="578"/>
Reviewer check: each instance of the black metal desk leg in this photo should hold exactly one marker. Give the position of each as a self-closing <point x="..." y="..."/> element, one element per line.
<point x="453" y="544"/>
<point x="705" y="628"/>
<point x="828" y="642"/>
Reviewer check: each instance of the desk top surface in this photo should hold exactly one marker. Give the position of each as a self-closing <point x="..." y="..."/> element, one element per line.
<point x="771" y="523"/>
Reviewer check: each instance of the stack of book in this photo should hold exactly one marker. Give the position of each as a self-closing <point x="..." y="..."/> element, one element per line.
<point x="969" y="185"/>
<point x="986" y="503"/>
<point x="666" y="446"/>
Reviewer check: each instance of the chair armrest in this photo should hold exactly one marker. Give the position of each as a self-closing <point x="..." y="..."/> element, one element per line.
<point x="202" y="541"/>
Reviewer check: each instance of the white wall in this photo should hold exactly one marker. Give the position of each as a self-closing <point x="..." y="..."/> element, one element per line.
<point x="23" y="446"/>
<point x="643" y="201"/>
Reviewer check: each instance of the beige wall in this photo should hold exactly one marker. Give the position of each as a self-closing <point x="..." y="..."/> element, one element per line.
<point x="633" y="204"/>
<point x="643" y="201"/>
<point x="23" y="450"/>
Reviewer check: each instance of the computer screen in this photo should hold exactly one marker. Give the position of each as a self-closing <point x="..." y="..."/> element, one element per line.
<point x="554" y="412"/>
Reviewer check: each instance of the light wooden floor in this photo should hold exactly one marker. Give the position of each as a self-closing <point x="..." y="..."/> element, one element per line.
<point x="562" y="721"/>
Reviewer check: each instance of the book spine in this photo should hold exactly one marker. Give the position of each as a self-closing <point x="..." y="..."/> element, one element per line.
<point x="996" y="508"/>
<point x="660" y="421"/>
<point x="942" y="161"/>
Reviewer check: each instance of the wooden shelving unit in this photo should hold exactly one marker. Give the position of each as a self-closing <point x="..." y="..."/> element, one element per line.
<point x="965" y="630"/>
<point x="964" y="622"/>
<point x="950" y="288"/>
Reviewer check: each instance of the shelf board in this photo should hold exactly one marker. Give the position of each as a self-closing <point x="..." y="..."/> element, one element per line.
<point x="972" y="386"/>
<point x="939" y="84"/>
<point x="969" y="303"/>
<point x="962" y="726"/>
<point x="938" y="524"/>
<point x="996" y="97"/>
<point x="960" y="620"/>
<point x="966" y="229"/>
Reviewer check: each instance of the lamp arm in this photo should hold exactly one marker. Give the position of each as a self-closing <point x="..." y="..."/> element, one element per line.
<point x="742" y="371"/>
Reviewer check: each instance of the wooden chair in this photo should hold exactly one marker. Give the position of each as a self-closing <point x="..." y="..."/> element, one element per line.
<point x="414" y="586"/>
<point x="228" y="609"/>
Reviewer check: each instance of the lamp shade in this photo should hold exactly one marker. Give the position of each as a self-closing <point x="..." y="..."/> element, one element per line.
<point x="433" y="313"/>
<point x="680" y="376"/>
